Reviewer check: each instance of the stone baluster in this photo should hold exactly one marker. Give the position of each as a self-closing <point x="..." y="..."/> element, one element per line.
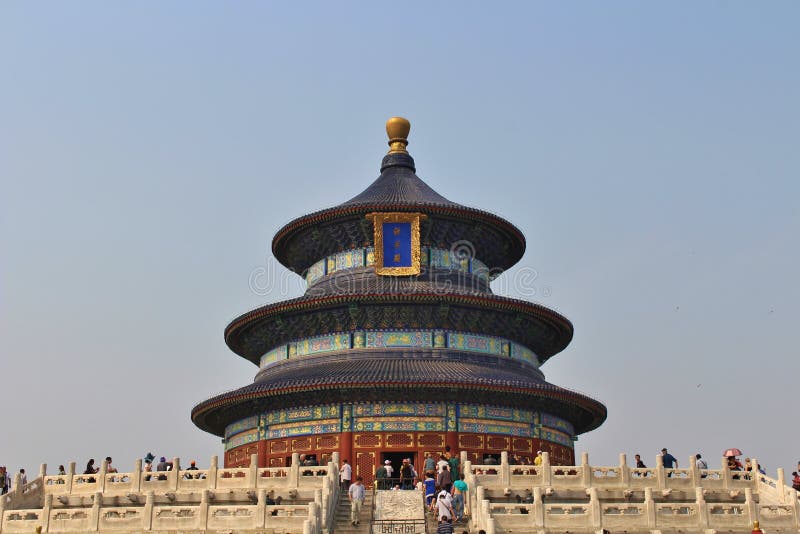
<point x="586" y="470"/>
<point x="203" y="512"/>
<point x="261" y="508"/>
<point x="547" y="472"/>
<point x="538" y="508"/>
<point x="595" y="516"/>
<point x="695" y="471"/>
<point x="661" y="478"/>
<point x="101" y="476"/>
<point x="335" y="458"/>
<point x="702" y="508"/>
<point x="490" y="528"/>
<point x="212" y="472"/>
<point x="486" y="514"/>
<point x="253" y="473"/>
<point x="750" y="505"/>
<point x="781" y="485"/>
<point x="307" y="527"/>
<point x="46" y="511"/>
<point x="726" y="474"/>
<point x="17" y="484"/>
<point x="94" y="515"/>
<point x="174" y="474"/>
<point x="463" y="462"/>
<point x="624" y="470"/>
<point x="505" y="469"/>
<point x="754" y="471"/>
<point x="42" y="471"/>
<point x="313" y="516"/>
<point x="294" y="471"/>
<point x="71" y="475"/>
<point x="650" y="507"/>
<point x="147" y="513"/>
<point x="136" y="477"/>
<point x="324" y="500"/>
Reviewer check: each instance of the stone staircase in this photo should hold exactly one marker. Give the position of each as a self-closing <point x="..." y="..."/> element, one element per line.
<point x="341" y="519"/>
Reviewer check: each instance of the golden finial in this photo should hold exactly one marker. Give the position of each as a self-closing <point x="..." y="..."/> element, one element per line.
<point x="397" y="129"/>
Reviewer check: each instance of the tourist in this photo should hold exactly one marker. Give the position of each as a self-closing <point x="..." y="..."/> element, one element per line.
<point x="639" y="462"/>
<point x="459" y="491"/>
<point x="489" y="460"/>
<point x="345" y="475"/>
<point x="452" y="463"/>
<point x="444" y="480"/>
<point x="23" y="479"/>
<point x="162" y="466"/>
<point x="406" y="475"/>
<point x="90" y="470"/>
<point x="445" y="526"/>
<point x="356" y="493"/>
<point x="192" y="467"/>
<point x="109" y="467"/>
<point x="795" y="481"/>
<point x="701" y="464"/>
<point x="148" y="468"/>
<point x="3" y="480"/>
<point x="442" y="462"/>
<point x="61" y="471"/>
<point x="380" y="477"/>
<point x="539" y="458"/>
<point x="669" y="461"/>
<point x="430" y="463"/>
<point x="430" y="489"/>
<point x="389" y="468"/>
<point x="443" y="507"/>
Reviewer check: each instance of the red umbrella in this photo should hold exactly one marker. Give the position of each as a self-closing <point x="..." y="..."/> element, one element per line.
<point x="731" y="452"/>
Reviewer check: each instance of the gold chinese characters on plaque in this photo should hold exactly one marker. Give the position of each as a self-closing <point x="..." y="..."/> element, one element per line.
<point x="396" y="243"/>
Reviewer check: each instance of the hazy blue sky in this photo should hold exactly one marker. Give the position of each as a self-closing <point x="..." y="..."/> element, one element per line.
<point x="150" y="150"/>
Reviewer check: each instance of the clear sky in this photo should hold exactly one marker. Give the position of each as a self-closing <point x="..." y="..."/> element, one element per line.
<point x="150" y="150"/>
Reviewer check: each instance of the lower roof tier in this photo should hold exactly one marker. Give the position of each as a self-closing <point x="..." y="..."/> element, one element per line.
<point x="419" y="375"/>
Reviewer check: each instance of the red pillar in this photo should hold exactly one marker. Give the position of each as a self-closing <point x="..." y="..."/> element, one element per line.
<point x="346" y="449"/>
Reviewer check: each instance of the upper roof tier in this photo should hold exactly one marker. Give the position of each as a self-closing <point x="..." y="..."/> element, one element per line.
<point x="307" y="239"/>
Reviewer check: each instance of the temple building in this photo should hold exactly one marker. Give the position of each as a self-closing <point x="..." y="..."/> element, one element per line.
<point x="398" y="347"/>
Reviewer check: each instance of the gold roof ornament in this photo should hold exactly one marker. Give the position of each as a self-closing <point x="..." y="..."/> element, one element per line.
<point x="397" y="129"/>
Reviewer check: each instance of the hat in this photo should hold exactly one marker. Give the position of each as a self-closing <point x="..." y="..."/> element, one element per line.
<point x="163" y="459"/>
<point x="387" y="462"/>
<point x="149" y="458"/>
<point x="538" y="452"/>
<point x="664" y="449"/>
<point x="193" y="462"/>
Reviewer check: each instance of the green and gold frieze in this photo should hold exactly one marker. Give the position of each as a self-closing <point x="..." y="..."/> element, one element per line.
<point x="430" y="258"/>
<point x="399" y="338"/>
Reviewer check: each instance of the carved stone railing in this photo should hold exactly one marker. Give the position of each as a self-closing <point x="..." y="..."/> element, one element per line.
<point x="619" y="498"/>
<point x="231" y="499"/>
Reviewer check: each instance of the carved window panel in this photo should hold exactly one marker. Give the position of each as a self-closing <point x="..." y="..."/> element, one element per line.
<point x="301" y="444"/>
<point x="367" y="441"/>
<point x="400" y="440"/>
<point x="522" y="445"/>
<point x="278" y="446"/>
<point x="497" y="443"/>
<point x="327" y="442"/>
<point x="470" y="441"/>
<point x="431" y="440"/>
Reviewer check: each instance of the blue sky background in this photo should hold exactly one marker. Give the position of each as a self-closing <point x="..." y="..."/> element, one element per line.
<point x="150" y="150"/>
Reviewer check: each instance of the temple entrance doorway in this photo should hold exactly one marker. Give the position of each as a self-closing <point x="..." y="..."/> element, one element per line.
<point x="397" y="458"/>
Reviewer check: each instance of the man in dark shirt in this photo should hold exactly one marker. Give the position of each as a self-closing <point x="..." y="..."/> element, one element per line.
<point x="445" y="526"/>
<point x="669" y="461"/>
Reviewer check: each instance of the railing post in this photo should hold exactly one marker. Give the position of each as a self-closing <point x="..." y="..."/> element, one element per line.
<point x="253" y="470"/>
<point x="335" y="459"/>
<point x="174" y="474"/>
<point x="695" y="471"/>
<point x="203" y="510"/>
<point x="661" y="475"/>
<point x="547" y="472"/>
<point x="505" y="470"/>
<point x="136" y="477"/>
<point x="586" y="470"/>
<point x="294" y="471"/>
<point x="749" y="503"/>
<point x="702" y="508"/>
<point x="480" y="495"/>
<point x="538" y="507"/>
<point x="595" y="517"/>
<point x="490" y="528"/>
<point x="486" y="513"/>
<point x="650" y="507"/>
<point x="726" y="474"/>
<point x="101" y="476"/>
<point x="94" y="516"/>
<point x="324" y="497"/>
<point x="147" y="514"/>
<point x="624" y="470"/>
<point x="261" y="508"/>
<point x="46" y="510"/>
<point x="42" y="471"/>
<point x="17" y="484"/>
<point x="71" y="474"/>
<point x="212" y="472"/>
<point x="781" y="483"/>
